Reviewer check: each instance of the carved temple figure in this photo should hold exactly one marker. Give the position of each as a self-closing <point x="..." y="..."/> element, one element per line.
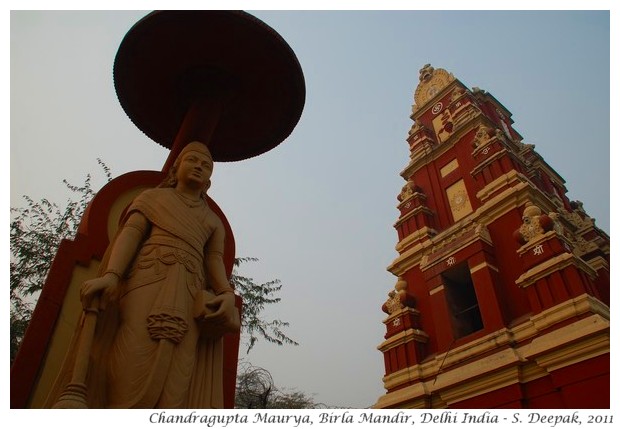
<point x="426" y="73"/>
<point x="407" y="191"/>
<point x="398" y="298"/>
<point x="535" y="223"/>
<point x="165" y="298"/>
<point x="483" y="135"/>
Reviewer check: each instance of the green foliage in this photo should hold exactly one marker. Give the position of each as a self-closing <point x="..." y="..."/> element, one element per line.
<point x="255" y="298"/>
<point x="36" y="231"/>
<point x="257" y="390"/>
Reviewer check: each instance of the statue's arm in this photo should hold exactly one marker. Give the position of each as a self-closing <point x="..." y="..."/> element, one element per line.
<point x="223" y="305"/>
<point x="124" y="249"/>
<point x="214" y="262"/>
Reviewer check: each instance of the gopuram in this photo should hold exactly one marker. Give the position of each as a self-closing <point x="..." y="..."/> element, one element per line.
<point x="137" y="310"/>
<point x="502" y="294"/>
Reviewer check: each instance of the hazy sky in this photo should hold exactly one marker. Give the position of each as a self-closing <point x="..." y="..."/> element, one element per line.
<point x="318" y="210"/>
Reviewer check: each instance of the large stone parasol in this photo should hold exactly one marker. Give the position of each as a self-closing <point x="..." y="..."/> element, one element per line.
<point x="221" y="77"/>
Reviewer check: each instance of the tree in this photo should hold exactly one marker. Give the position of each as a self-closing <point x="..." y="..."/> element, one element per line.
<point x="257" y="390"/>
<point x="255" y="297"/>
<point x="35" y="234"/>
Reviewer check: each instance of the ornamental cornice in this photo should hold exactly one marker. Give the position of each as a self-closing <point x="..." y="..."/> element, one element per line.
<point x="458" y="391"/>
<point x="533" y="160"/>
<point x="579" y="223"/>
<point x="411" y="213"/>
<point x="452" y="240"/>
<point x="583" y="304"/>
<point x="521" y="362"/>
<point x="409" y="258"/>
<point x="403" y="338"/>
<point x="425" y="153"/>
<point x="552" y="265"/>
<point x="423" y="233"/>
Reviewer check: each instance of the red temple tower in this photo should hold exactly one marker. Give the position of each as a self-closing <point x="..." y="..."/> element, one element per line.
<point x="502" y="298"/>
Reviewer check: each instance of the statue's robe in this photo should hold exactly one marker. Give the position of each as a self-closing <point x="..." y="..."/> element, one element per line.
<point x="148" y="351"/>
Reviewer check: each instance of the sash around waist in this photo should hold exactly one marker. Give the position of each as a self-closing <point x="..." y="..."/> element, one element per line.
<point x="160" y="250"/>
<point x="173" y="242"/>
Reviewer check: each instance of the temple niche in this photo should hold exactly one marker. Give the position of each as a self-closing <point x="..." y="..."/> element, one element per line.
<point x="502" y="297"/>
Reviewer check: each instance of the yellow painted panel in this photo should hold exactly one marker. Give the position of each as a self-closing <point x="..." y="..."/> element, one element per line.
<point x="459" y="200"/>
<point x="443" y="124"/>
<point x="449" y="167"/>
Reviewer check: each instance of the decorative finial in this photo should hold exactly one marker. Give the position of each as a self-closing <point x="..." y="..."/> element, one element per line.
<point x="426" y="73"/>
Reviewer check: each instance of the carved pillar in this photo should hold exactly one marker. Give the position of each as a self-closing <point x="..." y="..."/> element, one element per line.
<point x="414" y="214"/>
<point x="485" y="277"/>
<point x="494" y="157"/>
<point x="405" y="342"/>
<point x="552" y="273"/>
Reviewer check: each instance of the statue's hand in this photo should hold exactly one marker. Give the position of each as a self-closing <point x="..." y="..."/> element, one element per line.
<point x="223" y="312"/>
<point x="108" y="284"/>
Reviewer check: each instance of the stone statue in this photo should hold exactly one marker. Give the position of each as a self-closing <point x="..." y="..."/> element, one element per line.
<point x="535" y="223"/>
<point x="166" y="298"/>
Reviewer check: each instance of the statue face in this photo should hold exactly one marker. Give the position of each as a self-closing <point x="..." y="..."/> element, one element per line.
<point x="195" y="169"/>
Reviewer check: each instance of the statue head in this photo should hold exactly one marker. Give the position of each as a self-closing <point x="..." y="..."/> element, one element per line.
<point x="530" y="213"/>
<point x="171" y="179"/>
